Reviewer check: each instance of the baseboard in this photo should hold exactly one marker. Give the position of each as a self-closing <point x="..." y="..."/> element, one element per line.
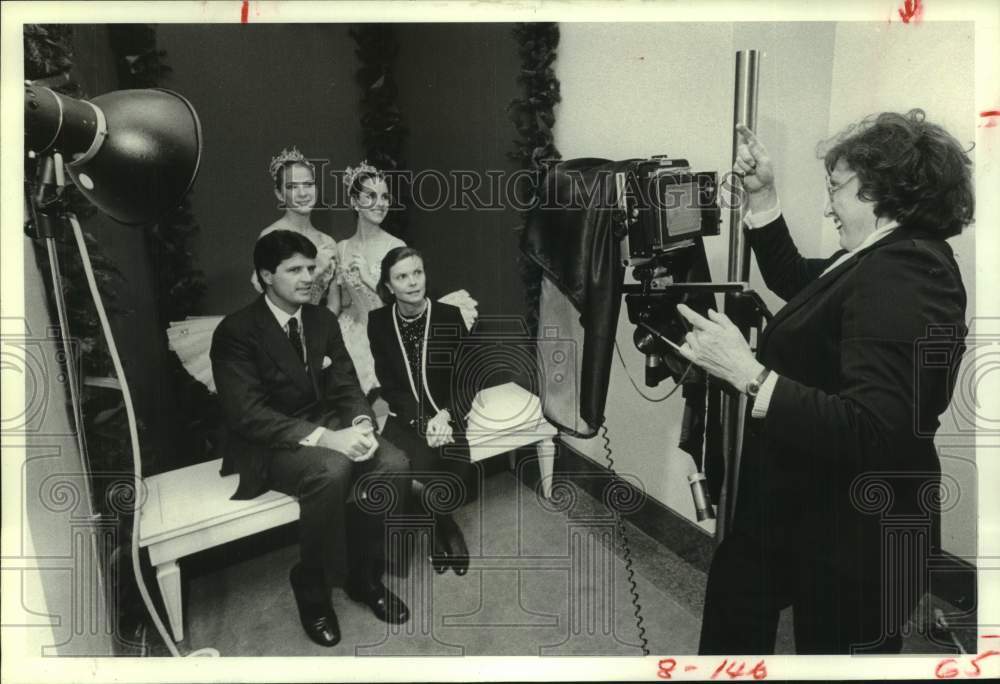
<point x="953" y="579"/>
<point x="677" y="533"/>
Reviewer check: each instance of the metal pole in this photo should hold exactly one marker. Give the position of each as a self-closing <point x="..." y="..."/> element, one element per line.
<point x="744" y="112"/>
<point x="733" y="407"/>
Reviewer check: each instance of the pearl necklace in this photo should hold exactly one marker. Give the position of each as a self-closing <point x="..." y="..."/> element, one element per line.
<point x="423" y="355"/>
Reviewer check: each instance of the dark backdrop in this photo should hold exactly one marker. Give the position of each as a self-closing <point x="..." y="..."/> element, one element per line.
<point x="455" y="82"/>
<point x="259" y="88"/>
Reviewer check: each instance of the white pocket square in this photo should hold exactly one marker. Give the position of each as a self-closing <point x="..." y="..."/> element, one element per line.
<point x="327" y="362"/>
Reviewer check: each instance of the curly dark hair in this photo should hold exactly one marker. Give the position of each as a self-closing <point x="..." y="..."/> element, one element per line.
<point x="913" y="170"/>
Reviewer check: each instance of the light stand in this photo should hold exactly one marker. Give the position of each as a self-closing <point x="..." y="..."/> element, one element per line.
<point x="47" y="221"/>
<point x="135" y="154"/>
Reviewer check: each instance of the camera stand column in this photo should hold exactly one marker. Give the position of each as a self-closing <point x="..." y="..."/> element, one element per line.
<point x="734" y="406"/>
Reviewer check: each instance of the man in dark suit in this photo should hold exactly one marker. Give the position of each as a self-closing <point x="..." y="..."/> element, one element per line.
<point x="297" y="422"/>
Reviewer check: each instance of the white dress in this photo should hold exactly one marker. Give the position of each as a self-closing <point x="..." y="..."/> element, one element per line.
<point x="354" y="317"/>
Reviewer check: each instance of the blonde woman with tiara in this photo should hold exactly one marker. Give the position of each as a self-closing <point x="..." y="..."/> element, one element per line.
<point x="294" y="179"/>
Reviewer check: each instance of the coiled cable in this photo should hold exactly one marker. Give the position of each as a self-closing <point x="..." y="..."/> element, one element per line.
<point x="633" y="588"/>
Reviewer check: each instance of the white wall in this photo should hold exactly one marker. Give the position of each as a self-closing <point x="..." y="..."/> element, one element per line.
<point x="632" y="90"/>
<point x="892" y="67"/>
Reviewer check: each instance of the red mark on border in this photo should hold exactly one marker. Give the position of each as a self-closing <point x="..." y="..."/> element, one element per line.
<point x="991" y="116"/>
<point x="911" y="10"/>
<point x="245" y="12"/>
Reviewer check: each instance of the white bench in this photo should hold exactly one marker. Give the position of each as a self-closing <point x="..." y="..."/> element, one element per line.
<point x="189" y="510"/>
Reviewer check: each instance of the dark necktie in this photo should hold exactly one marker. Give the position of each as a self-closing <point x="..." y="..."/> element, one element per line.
<point x="295" y="335"/>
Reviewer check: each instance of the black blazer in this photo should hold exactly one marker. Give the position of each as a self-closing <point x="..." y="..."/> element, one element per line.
<point x="847" y="443"/>
<point x="269" y="400"/>
<point x="445" y="352"/>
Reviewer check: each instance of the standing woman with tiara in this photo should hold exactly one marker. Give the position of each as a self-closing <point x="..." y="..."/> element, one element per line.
<point x="360" y="258"/>
<point x="295" y="187"/>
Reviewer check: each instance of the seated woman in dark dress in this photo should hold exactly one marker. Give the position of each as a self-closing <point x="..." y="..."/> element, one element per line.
<point x="415" y="344"/>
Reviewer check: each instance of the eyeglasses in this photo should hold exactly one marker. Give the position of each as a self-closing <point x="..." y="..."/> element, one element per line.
<point x="832" y="189"/>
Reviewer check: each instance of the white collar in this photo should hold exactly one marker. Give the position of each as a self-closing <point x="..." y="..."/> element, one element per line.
<point x="875" y="236"/>
<point x="283" y="317"/>
<point x="872" y="238"/>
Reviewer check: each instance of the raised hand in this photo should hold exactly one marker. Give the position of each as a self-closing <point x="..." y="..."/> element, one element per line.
<point x="753" y="162"/>
<point x="357" y="263"/>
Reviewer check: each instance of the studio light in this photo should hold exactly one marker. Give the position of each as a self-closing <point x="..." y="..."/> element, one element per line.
<point x="134" y="154"/>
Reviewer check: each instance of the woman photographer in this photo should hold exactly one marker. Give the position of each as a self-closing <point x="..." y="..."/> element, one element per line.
<point x="835" y="504"/>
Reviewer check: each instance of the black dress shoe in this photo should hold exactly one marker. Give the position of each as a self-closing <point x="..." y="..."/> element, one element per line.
<point x="387" y="606"/>
<point x="317" y="617"/>
<point x="453" y="539"/>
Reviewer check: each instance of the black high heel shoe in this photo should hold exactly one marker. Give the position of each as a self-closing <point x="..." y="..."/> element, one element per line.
<point x="440" y="557"/>
<point x="453" y="540"/>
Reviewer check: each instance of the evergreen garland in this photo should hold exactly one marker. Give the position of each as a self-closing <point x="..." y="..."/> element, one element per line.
<point x="48" y="57"/>
<point x="382" y="129"/>
<point x="533" y="116"/>
<point x="179" y="285"/>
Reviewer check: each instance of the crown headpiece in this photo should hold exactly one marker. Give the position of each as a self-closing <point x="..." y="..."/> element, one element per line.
<point x="351" y="173"/>
<point x="292" y="156"/>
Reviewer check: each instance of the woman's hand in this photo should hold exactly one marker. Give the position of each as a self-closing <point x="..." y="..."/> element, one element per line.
<point x="359" y="265"/>
<point x="717" y="345"/>
<point x="439" y="430"/>
<point x="753" y="165"/>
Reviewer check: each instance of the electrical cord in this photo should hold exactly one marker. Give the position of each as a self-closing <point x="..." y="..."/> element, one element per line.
<point x="636" y="387"/>
<point x="134" y="437"/>
<point x="633" y="589"/>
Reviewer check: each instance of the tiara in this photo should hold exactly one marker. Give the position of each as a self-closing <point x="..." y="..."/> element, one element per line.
<point x="292" y="156"/>
<point x="351" y="174"/>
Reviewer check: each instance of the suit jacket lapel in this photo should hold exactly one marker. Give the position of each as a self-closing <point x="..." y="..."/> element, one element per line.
<point x="275" y="342"/>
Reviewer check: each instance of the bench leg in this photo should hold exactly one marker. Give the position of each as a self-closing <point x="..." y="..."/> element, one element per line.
<point x="546" y="461"/>
<point x="168" y="576"/>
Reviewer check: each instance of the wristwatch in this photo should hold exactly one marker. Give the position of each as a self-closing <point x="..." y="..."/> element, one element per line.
<point x="753" y="387"/>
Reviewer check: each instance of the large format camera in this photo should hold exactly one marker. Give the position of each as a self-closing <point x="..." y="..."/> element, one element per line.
<point x="665" y="210"/>
<point x="666" y="207"/>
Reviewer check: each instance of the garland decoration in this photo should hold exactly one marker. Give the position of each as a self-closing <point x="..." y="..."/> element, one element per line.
<point x="179" y="285"/>
<point x="382" y="130"/>
<point x="48" y="57"/>
<point x="533" y="116"/>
